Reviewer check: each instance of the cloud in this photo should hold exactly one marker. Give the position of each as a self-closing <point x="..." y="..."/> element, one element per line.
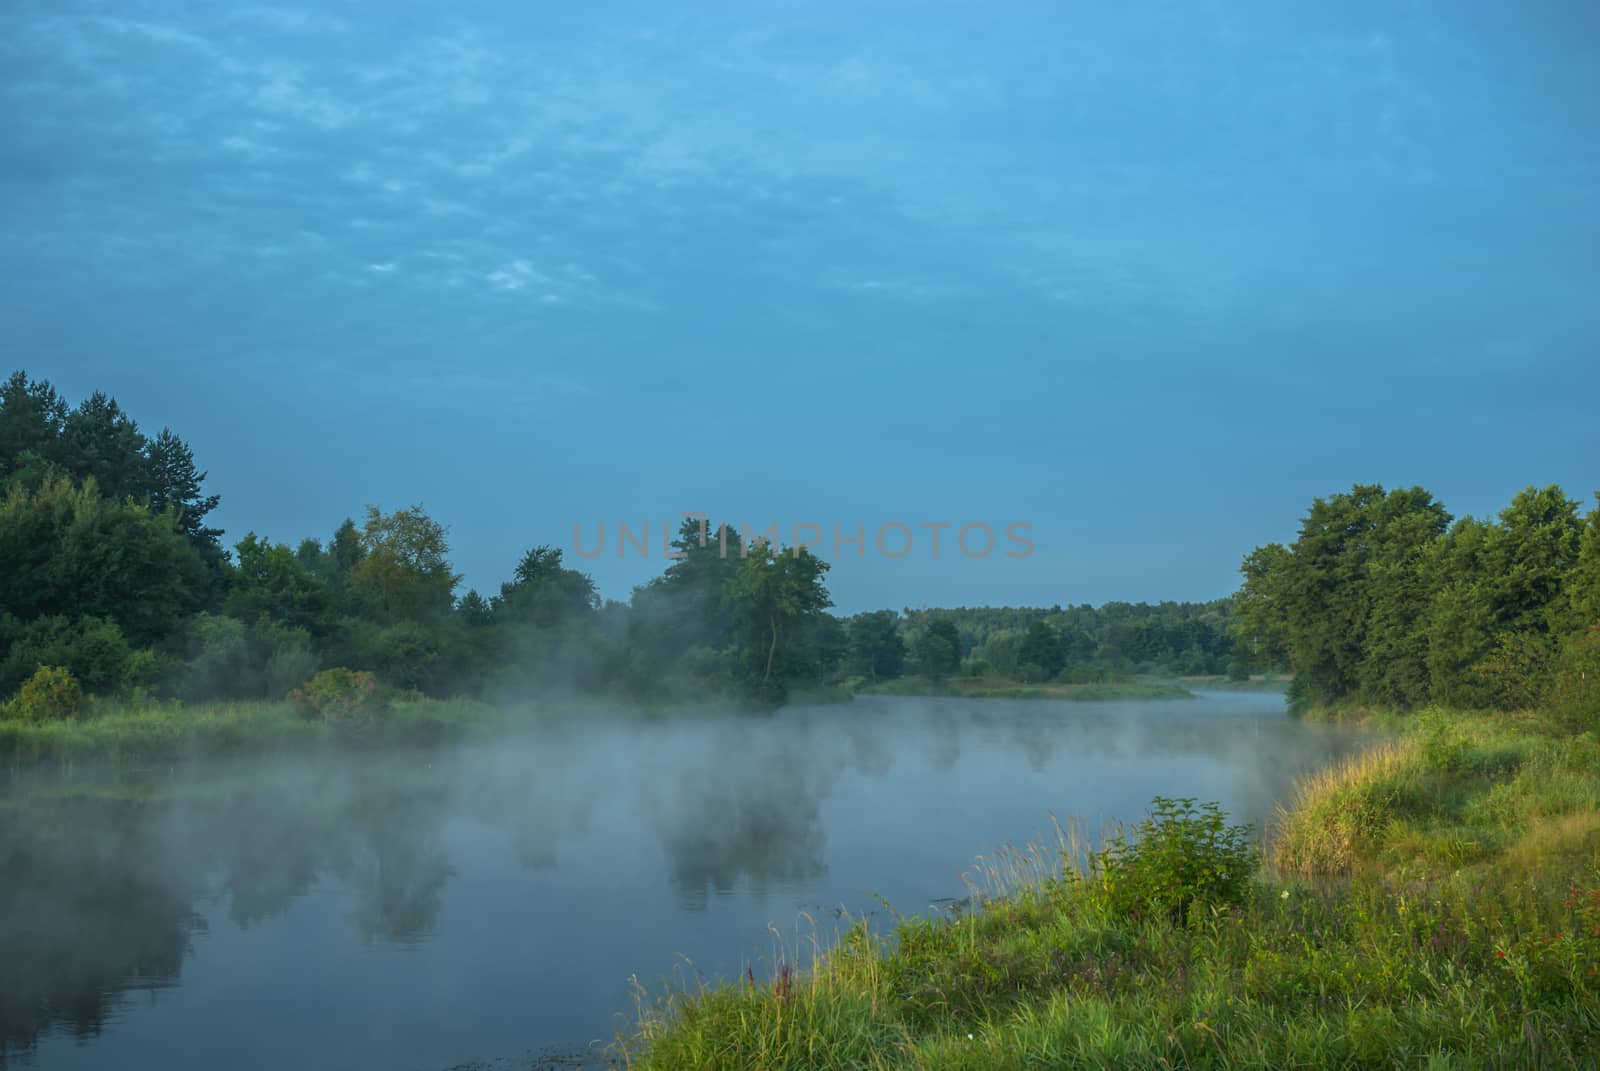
<point x="289" y="20"/>
<point x="513" y="276"/>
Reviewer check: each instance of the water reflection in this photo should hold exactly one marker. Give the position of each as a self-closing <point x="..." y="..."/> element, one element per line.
<point x="82" y="920"/>
<point x="107" y="881"/>
<point x="746" y="814"/>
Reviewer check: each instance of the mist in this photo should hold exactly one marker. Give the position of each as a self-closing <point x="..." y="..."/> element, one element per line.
<point x="417" y="909"/>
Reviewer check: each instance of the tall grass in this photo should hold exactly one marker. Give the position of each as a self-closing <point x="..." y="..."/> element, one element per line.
<point x="169" y="731"/>
<point x="1435" y="903"/>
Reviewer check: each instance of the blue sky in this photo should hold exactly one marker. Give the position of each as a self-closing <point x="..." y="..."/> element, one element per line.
<point x="1147" y="277"/>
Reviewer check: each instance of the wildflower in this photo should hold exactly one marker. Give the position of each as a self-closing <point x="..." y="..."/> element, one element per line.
<point x="1500" y="953"/>
<point x="1285" y="895"/>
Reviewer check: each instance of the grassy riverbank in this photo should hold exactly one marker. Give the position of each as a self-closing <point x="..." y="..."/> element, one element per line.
<point x="1434" y="903"/>
<point x="1007" y="688"/>
<point x="117" y="733"/>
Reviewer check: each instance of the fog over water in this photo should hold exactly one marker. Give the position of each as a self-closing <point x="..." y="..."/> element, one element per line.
<point x="490" y="903"/>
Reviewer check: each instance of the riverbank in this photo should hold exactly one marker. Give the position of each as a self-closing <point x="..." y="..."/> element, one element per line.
<point x="1007" y="688"/>
<point x="1433" y="902"/>
<point x="117" y="733"/>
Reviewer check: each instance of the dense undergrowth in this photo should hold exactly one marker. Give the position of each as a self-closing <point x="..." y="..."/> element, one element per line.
<point x="1434" y="903"/>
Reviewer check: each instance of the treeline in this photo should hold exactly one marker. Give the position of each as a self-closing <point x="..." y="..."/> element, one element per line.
<point x="1085" y="642"/>
<point x="109" y="571"/>
<point x="1385" y="600"/>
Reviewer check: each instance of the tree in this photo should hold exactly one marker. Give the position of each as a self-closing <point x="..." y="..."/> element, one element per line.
<point x="102" y="442"/>
<point x="939" y="650"/>
<point x="876" y="648"/>
<point x="1261" y="624"/>
<point x="1041" y="646"/>
<point x="403" y="563"/>
<point x="1532" y="555"/>
<point x="69" y="551"/>
<point x="175" y="485"/>
<point x="545" y="593"/>
<point x="772" y="596"/>
<point x="32" y="417"/>
<point x="1393" y="669"/>
<point x="1584" y="584"/>
<point x="685" y="606"/>
<point x="273" y="582"/>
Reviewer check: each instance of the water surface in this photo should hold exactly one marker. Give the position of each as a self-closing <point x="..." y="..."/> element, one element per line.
<point x="492" y="903"/>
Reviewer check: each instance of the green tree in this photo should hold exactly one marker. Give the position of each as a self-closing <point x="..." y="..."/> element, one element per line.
<point x="101" y="442"/>
<point x="272" y="581"/>
<point x="876" y="648"/>
<point x="1584" y="584"/>
<point x="1041" y="646"/>
<point x="939" y="649"/>
<point x="1398" y="589"/>
<point x="32" y="417"/>
<point x="404" y="564"/>
<point x="1533" y="554"/>
<point x="175" y="485"/>
<point x="70" y="551"/>
<point x="545" y="593"/>
<point x="774" y="594"/>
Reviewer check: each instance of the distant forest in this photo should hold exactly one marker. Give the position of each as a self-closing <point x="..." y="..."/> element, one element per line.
<point x="109" y="571"/>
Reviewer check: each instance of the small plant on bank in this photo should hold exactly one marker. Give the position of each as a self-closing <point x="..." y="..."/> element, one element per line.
<point x="1183" y="854"/>
<point x="343" y="696"/>
<point x="50" y="694"/>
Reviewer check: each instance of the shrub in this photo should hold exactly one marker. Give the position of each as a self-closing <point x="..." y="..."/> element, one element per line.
<point x="1180" y="856"/>
<point x="287" y="667"/>
<point x="1445" y="746"/>
<point x="50" y="694"/>
<point x="1575" y="695"/>
<point x="342" y="695"/>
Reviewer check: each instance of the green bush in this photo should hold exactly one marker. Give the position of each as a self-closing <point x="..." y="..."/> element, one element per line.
<point x="52" y="693"/>
<point x="1575" y="695"/>
<point x="1180" y="856"/>
<point x="343" y="696"/>
<point x="1445" y="746"/>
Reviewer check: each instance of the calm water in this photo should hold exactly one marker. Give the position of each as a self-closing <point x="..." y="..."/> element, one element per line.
<point x="491" y="904"/>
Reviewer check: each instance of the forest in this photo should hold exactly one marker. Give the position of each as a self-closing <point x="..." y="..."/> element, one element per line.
<point x="117" y="586"/>
<point x="1385" y="601"/>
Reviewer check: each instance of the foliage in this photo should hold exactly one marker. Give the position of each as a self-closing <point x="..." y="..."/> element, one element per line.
<point x="939" y="650"/>
<point x="50" y="694"/>
<point x="69" y="551"/>
<point x="1383" y="601"/>
<point x="774" y="594"/>
<point x="1041" y="647"/>
<point x="1575" y="694"/>
<point x="1180" y="856"/>
<point x="404" y="563"/>
<point x="342" y="696"/>
<point x="877" y="650"/>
